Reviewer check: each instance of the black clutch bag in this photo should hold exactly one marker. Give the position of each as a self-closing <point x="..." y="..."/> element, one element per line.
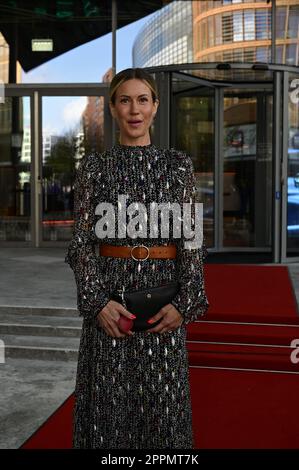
<point x="146" y="303"/>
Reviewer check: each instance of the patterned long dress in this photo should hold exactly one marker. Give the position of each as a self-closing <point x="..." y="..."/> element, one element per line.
<point x="133" y="392"/>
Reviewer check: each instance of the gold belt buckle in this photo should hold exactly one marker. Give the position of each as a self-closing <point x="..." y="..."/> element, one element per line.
<point x="139" y="259"/>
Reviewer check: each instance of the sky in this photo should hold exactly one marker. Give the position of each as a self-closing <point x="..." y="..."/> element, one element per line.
<point x="84" y="64"/>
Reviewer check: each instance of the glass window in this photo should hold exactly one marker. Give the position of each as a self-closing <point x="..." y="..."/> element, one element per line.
<point x="218" y="30"/>
<point x="211" y="31"/>
<point x="238" y="55"/>
<point x="262" y="24"/>
<point x="291" y="54"/>
<point x="249" y="25"/>
<point x="204" y="34"/>
<point x="15" y="169"/>
<point x="249" y="55"/>
<point x="227" y="56"/>
<point x="261" y="54"/>
<point x="279" y="56"/>
<point x="227" y="27"/>
<point x="293" y="28"/>
<point x="238" y="26"/>
<point x="280" y="22"/>
<point x="293" y="168"/>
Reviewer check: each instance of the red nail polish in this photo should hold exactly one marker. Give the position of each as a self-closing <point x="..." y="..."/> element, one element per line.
<point x="150" y="321"/>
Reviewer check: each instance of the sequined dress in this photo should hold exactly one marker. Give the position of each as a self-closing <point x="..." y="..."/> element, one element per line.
<point x="133" y="392"/>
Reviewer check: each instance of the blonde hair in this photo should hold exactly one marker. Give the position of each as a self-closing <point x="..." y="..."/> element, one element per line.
<point x="128" y="74"/>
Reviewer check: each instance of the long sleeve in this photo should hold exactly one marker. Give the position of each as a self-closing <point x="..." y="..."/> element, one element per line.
<point x="191" y="301"/>
<point x="91" y="294"/>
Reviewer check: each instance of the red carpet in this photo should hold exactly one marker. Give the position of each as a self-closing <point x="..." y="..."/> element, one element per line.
<point x="56" y="432"/>
<point x="250" y="293"/>
<point x="232" y="408"/>
<point x="240" y="295"/>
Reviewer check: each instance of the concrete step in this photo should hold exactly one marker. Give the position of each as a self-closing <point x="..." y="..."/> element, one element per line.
<point x="39" y="330"/>
<point x="40" y="347"/>
<point x="40" y="311"/>
<point x="46" y="323"/>
<point x="26" y="318"/>
<point x="26" y="323"/>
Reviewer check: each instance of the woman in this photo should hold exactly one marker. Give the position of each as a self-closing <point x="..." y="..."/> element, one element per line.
<point x="132" y="387"/>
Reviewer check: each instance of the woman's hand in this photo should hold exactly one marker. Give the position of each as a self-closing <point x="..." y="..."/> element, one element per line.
<point x="108" y="317"/>
<point x="172" y="319"/>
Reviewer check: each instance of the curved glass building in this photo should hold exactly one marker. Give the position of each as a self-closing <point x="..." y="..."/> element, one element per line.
<point x="167" y="38"/>
<point x="221" y="30"/>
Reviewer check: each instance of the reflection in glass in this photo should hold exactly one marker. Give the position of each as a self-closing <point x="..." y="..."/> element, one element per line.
<point x="262" y="54"/>
<point x="227" y="27"/>
<point x="238" y="25"/>
<point x="263" y="24"/>
<point x="293" y="168"/>
<point x="15" y="159"/>
<point x="249" y="25"/>
<point x="194" y="133"/>
<point x="291" y="54"/>
<point x="281" y="22"/>
<point x="72" y="126"/>
<point x="293" y="27"/>
<point x="247" y="175"/>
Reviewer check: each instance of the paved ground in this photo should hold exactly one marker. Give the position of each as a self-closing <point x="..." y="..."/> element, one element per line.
<point x="30" y="391"/>
<point x="32" y="388"/>
<point x="36" y="277"/>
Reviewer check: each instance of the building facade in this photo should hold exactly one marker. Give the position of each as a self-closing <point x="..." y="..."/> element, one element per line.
<point x="219" y="31"/>
<point x="239" y="121"/>
<point x="167" y="38"/>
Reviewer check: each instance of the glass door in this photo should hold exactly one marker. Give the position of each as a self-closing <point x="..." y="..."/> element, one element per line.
<point x="228" y="132"/>
<point x="290" y="151"/>
<point x="247" y="168"/>
<point x="72" y="126"/>
<point x="193" y="130"/>
<point x="15" y="169"/>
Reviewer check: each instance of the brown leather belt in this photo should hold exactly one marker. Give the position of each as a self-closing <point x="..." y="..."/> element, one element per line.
<point x="138" y="252"/>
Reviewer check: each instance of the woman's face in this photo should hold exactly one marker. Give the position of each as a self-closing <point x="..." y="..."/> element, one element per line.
<point x="134" y="111"/>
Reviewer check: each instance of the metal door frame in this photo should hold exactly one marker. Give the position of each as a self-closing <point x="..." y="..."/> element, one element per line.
<point x="162" y="137"/>
<point x="36" y="94"/>
<point x="219" y="160"/>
